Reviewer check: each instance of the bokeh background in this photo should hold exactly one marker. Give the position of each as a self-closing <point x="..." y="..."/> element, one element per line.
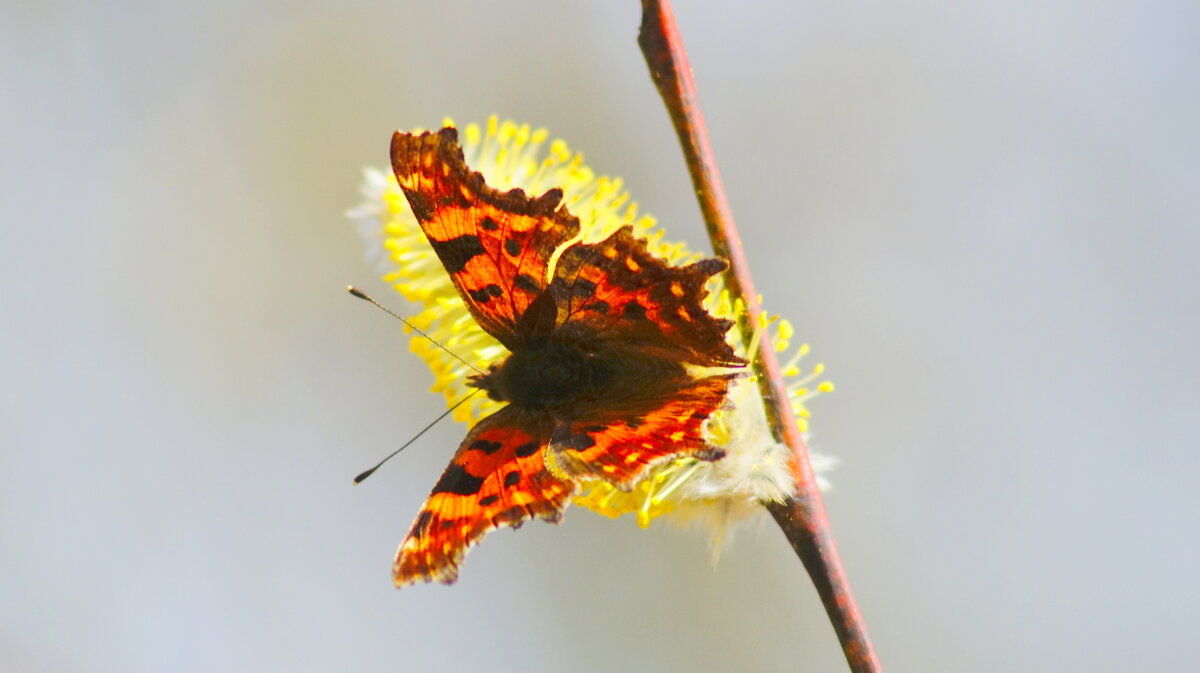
<point x="983" y="217"/>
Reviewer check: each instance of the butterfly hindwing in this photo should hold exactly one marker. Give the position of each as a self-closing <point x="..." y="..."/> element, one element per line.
<point x="495" y="245"/>
<point x="498" y="477"/>
<point x="619" y="446"/>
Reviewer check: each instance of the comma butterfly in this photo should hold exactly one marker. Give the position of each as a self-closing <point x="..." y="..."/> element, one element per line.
<point x="608" y="349"/>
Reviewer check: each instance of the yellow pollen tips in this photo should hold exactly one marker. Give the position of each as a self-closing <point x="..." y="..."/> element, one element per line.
<point x="472" y="135"/>
<point x="785" y="330"/>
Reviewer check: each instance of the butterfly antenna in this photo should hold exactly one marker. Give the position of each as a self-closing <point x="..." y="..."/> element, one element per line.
<point x="367" y="473"/>
<point x="363" y="295"/>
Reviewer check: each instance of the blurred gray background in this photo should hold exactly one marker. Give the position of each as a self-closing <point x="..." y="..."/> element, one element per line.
<point x="984" y="218"/>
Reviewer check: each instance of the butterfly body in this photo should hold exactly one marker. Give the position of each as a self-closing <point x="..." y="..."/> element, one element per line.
<point x="556" y="375"/>
<point x="611" y="364"/>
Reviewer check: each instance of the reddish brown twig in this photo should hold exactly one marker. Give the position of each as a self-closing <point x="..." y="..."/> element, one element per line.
<point x="803" y="518"/>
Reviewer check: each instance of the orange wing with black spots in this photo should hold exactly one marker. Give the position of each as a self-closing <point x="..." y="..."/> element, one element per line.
<point x="619" y="451"/>
<point x="495" y="245"/>
<point x="618" y="290"/>
<point x="497" y="478"/>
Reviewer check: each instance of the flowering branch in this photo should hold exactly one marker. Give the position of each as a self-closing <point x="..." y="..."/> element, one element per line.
<point x="802" y="518"/>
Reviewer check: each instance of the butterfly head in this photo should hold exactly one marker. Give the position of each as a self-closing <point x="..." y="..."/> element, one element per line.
<point x="487" y="382"/>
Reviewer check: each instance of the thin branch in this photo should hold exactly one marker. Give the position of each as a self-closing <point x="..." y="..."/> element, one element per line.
<point x="803" y="518"/>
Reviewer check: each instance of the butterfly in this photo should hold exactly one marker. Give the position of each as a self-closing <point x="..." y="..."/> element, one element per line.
<point x="613" y="364"/>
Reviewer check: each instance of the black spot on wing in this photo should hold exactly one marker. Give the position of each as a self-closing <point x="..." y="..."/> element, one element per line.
<point x="526" y="282"/>
<point x="634" y="311"/>
<point x="527" y="450"/>
<point x="485" y="446"/>
<point x="456" y="252"/>
<point x="458" y="481"/>
<point x="512" y="247"/>
<point x="490" y="500"/>
<point x="484" y="294"/>
<point x="512" y="479"/>
<point x="489" y="224"/>
<point x="581" y="442"/>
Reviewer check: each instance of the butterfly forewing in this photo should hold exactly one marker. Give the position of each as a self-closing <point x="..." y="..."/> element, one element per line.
<point x="495" y="245"/>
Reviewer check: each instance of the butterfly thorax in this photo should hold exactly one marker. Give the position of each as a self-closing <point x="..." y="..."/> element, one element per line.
<point x="554" y="373"/>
